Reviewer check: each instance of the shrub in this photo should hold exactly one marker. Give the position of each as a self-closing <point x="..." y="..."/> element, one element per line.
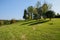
<point x="12" y="21"/>
<point x="1" y="22"/>
<point x="6" y="22"/>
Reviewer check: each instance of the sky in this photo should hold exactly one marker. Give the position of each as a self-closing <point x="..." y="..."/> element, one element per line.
<point x="14" y="9"/>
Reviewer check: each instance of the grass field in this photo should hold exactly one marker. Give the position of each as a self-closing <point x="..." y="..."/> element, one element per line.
<point x="31" y="30"/>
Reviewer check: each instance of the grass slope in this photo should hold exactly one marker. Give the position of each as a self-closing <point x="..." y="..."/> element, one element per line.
<point x="31" y="30"/>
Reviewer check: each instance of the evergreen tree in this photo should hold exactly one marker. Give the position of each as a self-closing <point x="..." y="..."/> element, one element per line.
<point x="25" y="16"/>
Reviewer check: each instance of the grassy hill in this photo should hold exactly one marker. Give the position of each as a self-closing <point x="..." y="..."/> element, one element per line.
<point x="31" y="30"/>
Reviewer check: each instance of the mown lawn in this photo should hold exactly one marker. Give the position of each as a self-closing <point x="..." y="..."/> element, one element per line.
<point x="31" y="30"/>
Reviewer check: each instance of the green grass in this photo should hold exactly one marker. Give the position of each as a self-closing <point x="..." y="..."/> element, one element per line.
<point x="31" y="30"/>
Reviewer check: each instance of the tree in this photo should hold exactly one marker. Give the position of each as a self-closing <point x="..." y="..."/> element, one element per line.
<point x="38" y="4"/>
<point x="35" y="13"/>
<point x="45" y="8"/>
<point x="39" y="11"/>
<point x="25" y="16"/>
<point x="50" y="14"/>
<point x="58" y="14"/>
<point x="30" y="11"/>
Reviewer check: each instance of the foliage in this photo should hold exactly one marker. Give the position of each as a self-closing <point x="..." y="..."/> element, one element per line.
<point x="57" y="16"/>
<point x="25" y="14"/>
<point x="37" y="12"/>
<point x="12" y="21"/>
<point x="30" y="11"/>
<point x="38" y="4"/>
<point x="1" y="22"/>
<point x="44" y="8"/>
<point x="50" y="14"/>
<point x="6" y="22"/>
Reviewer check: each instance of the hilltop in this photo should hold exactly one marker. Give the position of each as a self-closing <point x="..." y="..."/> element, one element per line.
<point x="31" y="30"/>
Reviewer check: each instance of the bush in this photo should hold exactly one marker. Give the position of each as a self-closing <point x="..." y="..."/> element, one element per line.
<point x="1" y="22"/>
<point x="12" y="21"/>
<point x="6" y="22"/>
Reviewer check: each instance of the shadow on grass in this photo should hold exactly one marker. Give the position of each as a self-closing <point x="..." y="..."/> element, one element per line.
<point x="39" y="22"/>
<point x="28" y="22"/>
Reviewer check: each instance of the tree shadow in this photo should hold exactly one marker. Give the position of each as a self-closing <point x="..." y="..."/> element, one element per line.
<point x="39" y="22"/>
<point x="28" y="22"/>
